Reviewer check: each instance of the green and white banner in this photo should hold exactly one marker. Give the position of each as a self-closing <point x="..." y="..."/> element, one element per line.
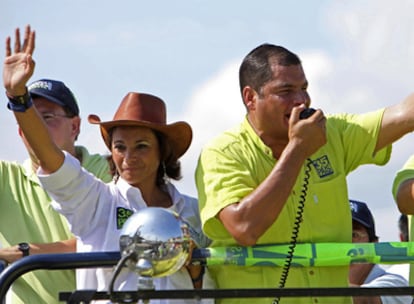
<point x="305" y="255"/>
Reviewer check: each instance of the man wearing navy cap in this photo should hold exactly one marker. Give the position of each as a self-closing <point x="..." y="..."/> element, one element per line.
<point x="28" y="225"/>
<point x="54" y="91"/>
<point x="362" y="219"/>
<point x="371" y="275"/>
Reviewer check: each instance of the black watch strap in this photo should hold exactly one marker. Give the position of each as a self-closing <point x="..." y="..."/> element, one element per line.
<point x="19" y="103"/>
<point x="24" y="248"/>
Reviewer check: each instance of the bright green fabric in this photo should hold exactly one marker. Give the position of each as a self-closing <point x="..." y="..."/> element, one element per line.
<point x="26" y="216"/>
<point x="236" y="162"/>
<point x="406" y="172"/>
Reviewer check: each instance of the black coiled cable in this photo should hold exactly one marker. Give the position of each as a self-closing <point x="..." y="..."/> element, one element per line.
<point x="295" y="231"/>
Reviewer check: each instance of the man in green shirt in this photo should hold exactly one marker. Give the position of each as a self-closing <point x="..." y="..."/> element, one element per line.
<point x="277" y="178"/>
<point x="28" y="224"/>
<point x="403" y="192"/>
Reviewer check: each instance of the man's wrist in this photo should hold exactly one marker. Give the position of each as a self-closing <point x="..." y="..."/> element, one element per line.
<point x="24" y="248"/>
<point x="19" y="103"/>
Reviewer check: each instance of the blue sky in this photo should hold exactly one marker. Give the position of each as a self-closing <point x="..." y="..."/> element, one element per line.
<point x="358" y="56"/>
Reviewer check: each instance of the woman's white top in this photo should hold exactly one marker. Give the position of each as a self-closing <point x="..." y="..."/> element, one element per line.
<point x="96" y="212"/>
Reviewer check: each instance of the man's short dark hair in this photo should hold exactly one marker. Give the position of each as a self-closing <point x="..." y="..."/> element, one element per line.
<point x="255" y="69"/>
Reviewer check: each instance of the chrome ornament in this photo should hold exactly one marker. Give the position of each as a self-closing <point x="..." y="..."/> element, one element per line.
<point x="157" y="240"/>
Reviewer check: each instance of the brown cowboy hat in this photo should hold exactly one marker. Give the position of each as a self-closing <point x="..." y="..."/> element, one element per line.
<point x="144" y="110"/>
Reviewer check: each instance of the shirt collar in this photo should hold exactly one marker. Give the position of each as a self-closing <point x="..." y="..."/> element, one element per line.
<point x="247" y="127"/>
<point x="133" y="195"/>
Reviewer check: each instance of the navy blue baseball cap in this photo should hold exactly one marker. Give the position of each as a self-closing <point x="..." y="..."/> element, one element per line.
<point x="54" y="91"/>
<point x="362" y="215"/>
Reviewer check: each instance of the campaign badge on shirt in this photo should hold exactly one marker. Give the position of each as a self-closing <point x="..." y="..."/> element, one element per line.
<point x="323" y="166"/>
<point x="122" y="214"/>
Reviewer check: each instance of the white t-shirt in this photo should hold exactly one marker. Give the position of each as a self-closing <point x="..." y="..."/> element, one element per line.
<point x="378" y="277"/>
<point x="401" y="269"/>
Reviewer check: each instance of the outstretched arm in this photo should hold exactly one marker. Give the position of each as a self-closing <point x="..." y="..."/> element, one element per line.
<point x="405" y="197"/>
<point x="17" y="70"/>
<point x="12" y="254"/>
<point x="397" y="121"/>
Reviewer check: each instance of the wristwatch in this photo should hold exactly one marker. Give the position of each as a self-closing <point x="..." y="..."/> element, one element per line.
<point x="24" y="248"/>
<point x="19" y="103"/>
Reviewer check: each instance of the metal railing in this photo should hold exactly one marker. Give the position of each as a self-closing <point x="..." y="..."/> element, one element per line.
<point x="109" y="259"/>
<point x="85" y="296"/>
<point x="54" y="261"/>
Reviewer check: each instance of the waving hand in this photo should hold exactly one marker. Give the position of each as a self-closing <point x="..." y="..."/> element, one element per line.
<point x="18" y="64"/>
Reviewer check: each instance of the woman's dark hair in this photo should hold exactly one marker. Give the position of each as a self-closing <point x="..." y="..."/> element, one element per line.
<point x="255" y="69"/>
<point x="169" y="164"/>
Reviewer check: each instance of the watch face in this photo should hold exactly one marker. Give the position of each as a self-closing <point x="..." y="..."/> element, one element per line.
<point x="24" y="247"/>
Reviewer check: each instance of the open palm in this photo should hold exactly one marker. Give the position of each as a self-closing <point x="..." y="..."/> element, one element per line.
<point x="19" y="65"/>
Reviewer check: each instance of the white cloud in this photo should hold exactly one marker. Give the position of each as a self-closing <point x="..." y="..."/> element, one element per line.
<point x="213" y="107"/>
<point x="371" y="68"/>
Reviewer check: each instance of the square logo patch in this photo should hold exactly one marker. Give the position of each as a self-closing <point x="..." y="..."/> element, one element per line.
<point x="323" y="166"/>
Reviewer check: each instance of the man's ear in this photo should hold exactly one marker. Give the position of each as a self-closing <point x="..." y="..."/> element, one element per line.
<point x="19" y="130"/>
<point x="76" y="121"/>
<point x="249" y="98"/>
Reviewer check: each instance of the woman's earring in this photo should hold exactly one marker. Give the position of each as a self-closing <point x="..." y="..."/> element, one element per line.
<point x="115" y="177"/>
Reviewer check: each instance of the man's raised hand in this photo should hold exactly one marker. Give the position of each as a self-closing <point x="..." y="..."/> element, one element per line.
<point x="18" y="65"/>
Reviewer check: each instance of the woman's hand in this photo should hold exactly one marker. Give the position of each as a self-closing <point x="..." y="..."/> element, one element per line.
<point x="195" y="271"/>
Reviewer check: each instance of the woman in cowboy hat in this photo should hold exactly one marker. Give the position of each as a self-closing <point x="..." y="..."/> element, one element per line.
<point x="145" y="154"/>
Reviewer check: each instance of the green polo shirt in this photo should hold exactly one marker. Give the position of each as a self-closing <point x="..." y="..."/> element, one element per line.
<point x="235" y="163"/>
<point x="406" y="172"/>
<point x="26" y="216"/>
